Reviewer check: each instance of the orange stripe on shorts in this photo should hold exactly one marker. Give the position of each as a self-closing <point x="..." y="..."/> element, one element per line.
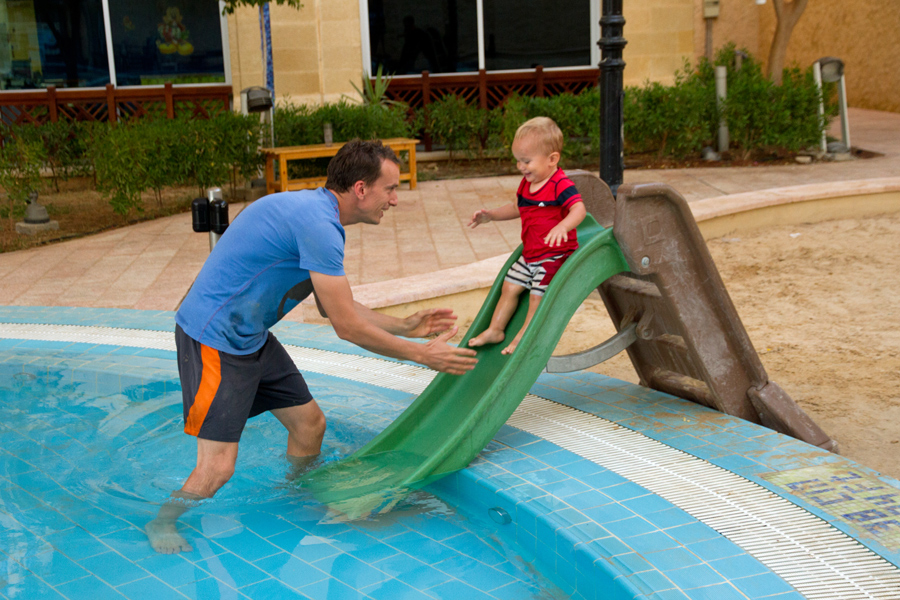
<point x="209" y="385"/>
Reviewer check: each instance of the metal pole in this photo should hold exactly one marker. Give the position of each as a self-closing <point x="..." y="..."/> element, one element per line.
<point x="612" y="127"/>
<point x="817" y="76"/>
<point x="213" y="194"/>
<point x="721" y="94"/>
<point x="845" y="121"/>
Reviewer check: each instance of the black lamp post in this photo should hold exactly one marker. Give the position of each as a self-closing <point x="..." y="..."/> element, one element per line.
<point x="612" y="136"/>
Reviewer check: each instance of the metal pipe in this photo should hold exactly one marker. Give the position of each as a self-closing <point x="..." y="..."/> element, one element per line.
<point x="845" y="122"/>
<point x="721" y="94"/>
<point x="817" y="76"/>
<point x="612" y="126"/>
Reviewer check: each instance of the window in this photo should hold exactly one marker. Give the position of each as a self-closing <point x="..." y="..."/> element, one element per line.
<point x="523" y="35"/>
<point x="52" y="42"/>
<point x="65" y="43"/>
<point x="176" y="40"/>
<point x="411" y="36"/>
<point x="442" y="36"/>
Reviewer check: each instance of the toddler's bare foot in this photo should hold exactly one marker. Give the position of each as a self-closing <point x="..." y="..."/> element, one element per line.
<point x="488" y="336"/>
<point x="164" y="537"/>
<point x="512" y="346"/>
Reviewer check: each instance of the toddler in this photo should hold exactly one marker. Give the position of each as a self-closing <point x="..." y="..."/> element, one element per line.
<point x="550" y="208"/>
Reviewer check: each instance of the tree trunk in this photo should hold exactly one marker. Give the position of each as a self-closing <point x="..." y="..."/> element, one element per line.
<point x="787" y="13"/>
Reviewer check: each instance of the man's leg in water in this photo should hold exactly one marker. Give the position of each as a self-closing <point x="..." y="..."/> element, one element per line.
<point x="215" y="466"/>
<point x="306" y="428"/>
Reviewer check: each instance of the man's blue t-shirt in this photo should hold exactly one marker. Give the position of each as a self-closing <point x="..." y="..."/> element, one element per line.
<point x="259" y="269"/>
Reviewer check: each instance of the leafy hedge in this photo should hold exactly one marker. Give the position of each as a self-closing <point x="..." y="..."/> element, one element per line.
<point x="677" y="121"/>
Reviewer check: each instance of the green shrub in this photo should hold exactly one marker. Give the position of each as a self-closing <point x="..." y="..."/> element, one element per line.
<point x="120" y="156"/>
<point x="300" y="125"/>
<point x="578" y="116"/>
<point x="21" y="156"/>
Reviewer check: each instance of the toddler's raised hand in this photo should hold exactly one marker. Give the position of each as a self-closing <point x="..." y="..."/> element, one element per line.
<point x="480" y="218"/>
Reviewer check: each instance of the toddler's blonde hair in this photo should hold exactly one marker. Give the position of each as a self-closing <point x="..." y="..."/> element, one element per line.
<point x="545" y="131"/>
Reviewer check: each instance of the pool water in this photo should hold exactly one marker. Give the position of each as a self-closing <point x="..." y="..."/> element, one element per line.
<point x="91" y="446"/>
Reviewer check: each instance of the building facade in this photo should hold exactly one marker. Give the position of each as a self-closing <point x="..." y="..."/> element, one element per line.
<point x="320" y="50"/>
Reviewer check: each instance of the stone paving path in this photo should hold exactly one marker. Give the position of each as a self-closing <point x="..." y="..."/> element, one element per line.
<point x="151" y="265"/>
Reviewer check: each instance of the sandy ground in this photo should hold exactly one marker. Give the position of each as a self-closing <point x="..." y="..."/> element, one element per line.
<point x="821" y="304"/>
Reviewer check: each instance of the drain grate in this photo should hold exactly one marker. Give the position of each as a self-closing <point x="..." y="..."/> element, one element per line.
<point x="817" y="559"/>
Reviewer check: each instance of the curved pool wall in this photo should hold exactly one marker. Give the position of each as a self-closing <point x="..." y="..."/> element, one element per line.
<point x="608" y="489"/>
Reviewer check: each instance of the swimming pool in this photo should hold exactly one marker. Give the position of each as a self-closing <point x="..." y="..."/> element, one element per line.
<point x="93" y="444"/>
<point x="606" y="489"/>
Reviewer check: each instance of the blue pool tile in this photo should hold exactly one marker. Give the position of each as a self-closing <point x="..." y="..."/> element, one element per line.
<point x="53" y="567"/>
<point x="474" y="547"/>
<point x="630" y="527"/>
<point x="629" y="563"/>
<point x="233" y="570"/>
<point x="419" y="546"/>
<point x="608" y="513"/>
<point x="722" y="591"/>
<point x="264" y="524"/>
<point x="290" y="570"/>
<point x="149" y="588"/>
<point x="609" y="546"/>
<point x="329" y="589"/>
<point x="664" y="519"/>
<point x="113" y="568"/>
<point x="246" y="543"/>
<point x="625" y="491"/>
<point x="88" y="587"/>
<point x="77" y="544"/>
<point x="436" y="528"/>
<point x="302" y="545"/>
<point x="668" y="560"/>
<point x="395" y="590"/>
<point x="211" y="589"/>
<point x="734" y="567"/>
<point x="421" y="577"/>
<point x="29" y="587"/>
<point x="131" y="543"/>
<point x="474" y="573"/>
<point x="765" y="584"/>
<point x="694" y="576"/>
<point x="173" y="569"/>
<point x="692" y="533"/>
<point x="668" y="595"/>
<point x="710" y="550"/>
<point x="456" y="590"/>
<point x="272" y="590"/>
<point x="650" y="581"/>
<point x="351" y="571"/>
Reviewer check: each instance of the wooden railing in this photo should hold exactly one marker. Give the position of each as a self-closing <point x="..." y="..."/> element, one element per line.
<point x="489" y="89"/>
<point x="112" y="104"/>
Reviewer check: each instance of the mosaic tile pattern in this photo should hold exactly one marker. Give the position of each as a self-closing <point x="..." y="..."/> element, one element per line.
<point x="578" y="522"/>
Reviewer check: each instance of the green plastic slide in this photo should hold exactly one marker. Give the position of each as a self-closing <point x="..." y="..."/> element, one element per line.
<point x="457" y="415"/>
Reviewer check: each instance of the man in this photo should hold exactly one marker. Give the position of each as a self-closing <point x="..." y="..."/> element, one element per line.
<point x="279" y="250"/>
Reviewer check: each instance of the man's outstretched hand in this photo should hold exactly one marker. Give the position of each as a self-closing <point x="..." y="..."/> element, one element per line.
<point x="443" y="357"/>
<point x="428" y="321"/>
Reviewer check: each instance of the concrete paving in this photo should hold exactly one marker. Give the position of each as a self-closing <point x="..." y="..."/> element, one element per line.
<point x="151" y="265"/>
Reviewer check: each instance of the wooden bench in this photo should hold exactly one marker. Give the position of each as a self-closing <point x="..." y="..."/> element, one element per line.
<point x="283" y="155"/>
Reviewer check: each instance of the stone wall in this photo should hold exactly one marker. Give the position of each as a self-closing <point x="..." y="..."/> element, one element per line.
<point x="865" y="34"/>
<point x="316" y="51"/>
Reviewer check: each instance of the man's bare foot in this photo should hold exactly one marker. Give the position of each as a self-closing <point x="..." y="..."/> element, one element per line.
<point x="488" y="336"/>
<point x="164" y="537"/>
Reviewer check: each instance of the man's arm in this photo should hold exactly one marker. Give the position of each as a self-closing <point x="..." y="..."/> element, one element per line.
<point x="336" y="299"/>
<point x="420" y="324"/>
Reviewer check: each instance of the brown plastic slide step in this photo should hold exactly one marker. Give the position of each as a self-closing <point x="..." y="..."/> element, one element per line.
<point x="687" y="337"/>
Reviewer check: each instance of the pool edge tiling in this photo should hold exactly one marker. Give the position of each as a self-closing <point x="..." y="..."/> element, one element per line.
<point x="575" y="508"/>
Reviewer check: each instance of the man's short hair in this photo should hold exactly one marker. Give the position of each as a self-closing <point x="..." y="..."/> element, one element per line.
<point x="544" y="131"/>
<point x="358" y="160"/>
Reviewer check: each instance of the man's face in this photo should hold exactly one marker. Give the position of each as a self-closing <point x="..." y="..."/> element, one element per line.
<point x="380" y="196"/>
